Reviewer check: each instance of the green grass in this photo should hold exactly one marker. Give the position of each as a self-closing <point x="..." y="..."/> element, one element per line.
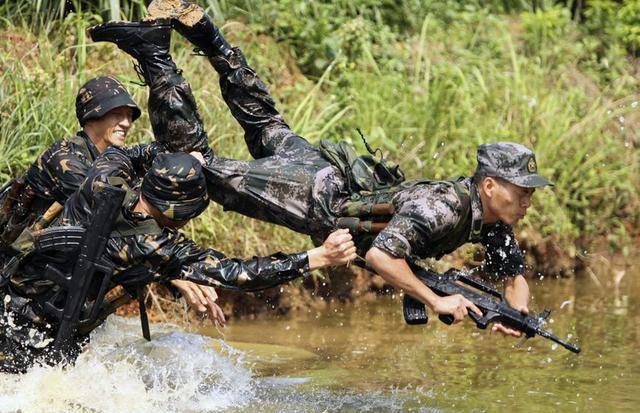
<point x="427" y="93"/>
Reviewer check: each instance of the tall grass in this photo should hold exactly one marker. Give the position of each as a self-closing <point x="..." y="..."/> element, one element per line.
<point x="427" y="94"/>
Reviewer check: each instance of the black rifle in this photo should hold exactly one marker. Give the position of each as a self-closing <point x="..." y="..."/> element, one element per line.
<point x="485" y="297"/>
<point x="89" y="273"/>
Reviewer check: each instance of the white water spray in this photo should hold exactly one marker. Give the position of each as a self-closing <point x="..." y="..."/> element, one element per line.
<point x="119" y="371"/>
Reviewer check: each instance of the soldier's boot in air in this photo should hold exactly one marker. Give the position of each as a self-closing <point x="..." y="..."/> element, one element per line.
<point x="146" y="41"/>
<point x="191" y="21"/>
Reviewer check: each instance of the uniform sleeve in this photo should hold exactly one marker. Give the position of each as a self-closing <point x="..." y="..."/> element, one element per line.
<point x="184" y="259"/>
<point x="65" y="169"/>
<point x="112" y="167"/>
<point x="142" y="156"/>
<point x="426" y="218"/>
<point x="503" y="256"/>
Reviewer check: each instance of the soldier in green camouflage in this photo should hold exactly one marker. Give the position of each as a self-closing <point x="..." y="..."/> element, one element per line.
<point x="291" y="183"/>
<point x="144" y="247"/>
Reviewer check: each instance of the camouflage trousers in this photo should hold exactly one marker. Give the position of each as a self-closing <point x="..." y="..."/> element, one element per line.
<point x="289" y="182"/>
<point x="174" y="116"/>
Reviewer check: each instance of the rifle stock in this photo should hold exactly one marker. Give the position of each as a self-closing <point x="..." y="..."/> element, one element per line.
<point x="490" y="301"/>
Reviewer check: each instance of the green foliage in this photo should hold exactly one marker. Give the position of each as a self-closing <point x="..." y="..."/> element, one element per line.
<point x="544" y="30"/>
<point x="426" y="81"/>
<point x="629" y="24"/>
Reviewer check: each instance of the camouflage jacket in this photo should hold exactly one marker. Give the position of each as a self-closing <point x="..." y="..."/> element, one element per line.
<point x="143" y="252"/>
<point x="59" y="170"/>
<point x="435" y="218"/>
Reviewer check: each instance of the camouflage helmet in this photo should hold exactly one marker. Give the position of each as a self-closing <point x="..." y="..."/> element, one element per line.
<point x="510" y="161"/>
<point x="176" y="186"/>
<point x="100" y="95"/>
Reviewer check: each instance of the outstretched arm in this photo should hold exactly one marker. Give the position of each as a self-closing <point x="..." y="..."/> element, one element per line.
<point x="210" y="267"/>
<point x="397" y="272"/>
<point x="516" y="292"/>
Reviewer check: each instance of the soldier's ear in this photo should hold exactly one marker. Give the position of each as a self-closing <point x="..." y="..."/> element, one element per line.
<point x="488" y="186"/>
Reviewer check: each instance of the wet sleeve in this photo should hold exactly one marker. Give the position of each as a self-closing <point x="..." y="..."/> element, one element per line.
<point x="425" y="219"/>
<point x="112" y="167"/>
<point x="66" y="170"/>
<point x="210" y="267"/>
<point x="142" y="156"/>
<point x="503" y="256"/>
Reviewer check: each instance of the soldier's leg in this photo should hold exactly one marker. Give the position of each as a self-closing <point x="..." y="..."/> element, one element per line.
<point x="174" y="116"/>
<point x="266" y="132"/>
<point x="172" y="109"/>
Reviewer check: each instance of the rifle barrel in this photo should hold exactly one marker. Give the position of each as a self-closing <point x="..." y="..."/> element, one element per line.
<point x="571" y="347"/>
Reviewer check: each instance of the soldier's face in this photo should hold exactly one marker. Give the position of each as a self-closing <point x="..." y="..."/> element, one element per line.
<point x="111" y="129"/>
<point x="165" y="221"/>
<point x="504" y="201"/>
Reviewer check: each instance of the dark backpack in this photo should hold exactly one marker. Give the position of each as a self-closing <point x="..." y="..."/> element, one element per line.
<point x="362" y="172"/>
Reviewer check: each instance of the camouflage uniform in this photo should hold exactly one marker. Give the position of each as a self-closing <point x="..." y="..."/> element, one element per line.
<point x="290" y="183"/>
<point x="55" y="176"/>
<point x="140" y="251"/>
<point x="61" y="168"/>
<point x="139" y="246"/>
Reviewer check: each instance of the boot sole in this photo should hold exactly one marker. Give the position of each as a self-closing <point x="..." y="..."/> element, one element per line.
<point x="101" y="29"/>
<point x="186" y="13"/>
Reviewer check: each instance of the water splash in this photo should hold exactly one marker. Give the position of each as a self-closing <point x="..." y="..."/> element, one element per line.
<point x="119" y="371"/>
<point x="175" y="372"/>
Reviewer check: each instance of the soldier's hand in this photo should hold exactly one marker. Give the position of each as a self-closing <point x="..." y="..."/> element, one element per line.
<point x="456" y="305"/>
<point x="506" y="331"/>
<point x="337" y="249"/>
<point x="202" y="299"/>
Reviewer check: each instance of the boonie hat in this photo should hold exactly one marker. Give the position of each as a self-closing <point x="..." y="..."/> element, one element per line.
<point x="512" y="162"/>
<point x="175" y="185"/>
<point x="100" y="95"/>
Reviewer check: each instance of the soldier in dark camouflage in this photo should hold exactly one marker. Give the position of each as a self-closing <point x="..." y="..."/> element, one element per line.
<point x="290" y="183"/>
<point x="144" y="246"/>
<point x="105" y="111"/>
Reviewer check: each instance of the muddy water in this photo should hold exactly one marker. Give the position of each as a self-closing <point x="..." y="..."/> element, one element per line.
<point x="360" y="358"/>
<point x="366" y="351"/>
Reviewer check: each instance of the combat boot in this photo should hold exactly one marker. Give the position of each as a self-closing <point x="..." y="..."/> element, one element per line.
<point x="191" y="21"/>
<point x="146" y="41"/>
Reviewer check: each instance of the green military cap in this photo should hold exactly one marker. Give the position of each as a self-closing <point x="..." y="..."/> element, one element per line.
<point x="175" y="185"/>
<point x="100" y="95"/>
<point x="512" y="162"/>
